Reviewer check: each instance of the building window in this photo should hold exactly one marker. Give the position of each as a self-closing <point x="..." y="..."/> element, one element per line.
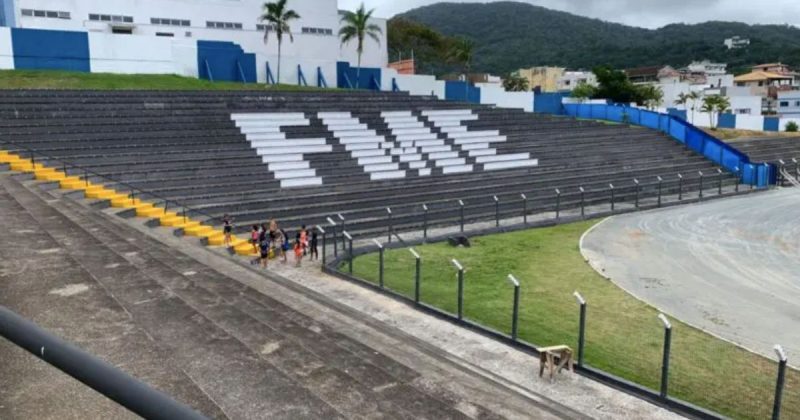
<point x="167" y="34"/>
<point x="317" y="31"/>
<point x="170" y="22"/>
<point x="51" y="14"/>
<point x="784" y="103"/>
<point x="223" y="25"/>
<point x="110" y="18"/>
<point x="262" y="27"/>
<point x="122" y="31"/>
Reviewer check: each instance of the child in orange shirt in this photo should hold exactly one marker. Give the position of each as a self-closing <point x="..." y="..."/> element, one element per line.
<point x="298" y="251"/>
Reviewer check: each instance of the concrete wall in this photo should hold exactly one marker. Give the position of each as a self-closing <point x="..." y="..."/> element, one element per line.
<point x="492" y="94"/>
<point x="750" y="122"/>
<point x="134" y="54"/>
<point x="750" y="105"/>
<point x="6" y="52"/>
<point x="417" y="84"/>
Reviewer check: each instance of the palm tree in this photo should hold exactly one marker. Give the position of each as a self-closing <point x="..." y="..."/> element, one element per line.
<point x="693" y="96"/>
<point x="682" y="99"/>
<point x="710" y="105"/>
<point x="461" y="53"/>
<point x="356" y="25"/>
<point x="278" y="17"/>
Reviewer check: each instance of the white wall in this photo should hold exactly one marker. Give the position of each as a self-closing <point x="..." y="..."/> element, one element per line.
<point x="6" y="55"/>
<point x="415" y="84"/>
<point x="132" y="54"/>
<point x="752" y="103"/>
<point x="750" y="122"/>
<point x="783" y="122"/>
<point x="491" y="94"/>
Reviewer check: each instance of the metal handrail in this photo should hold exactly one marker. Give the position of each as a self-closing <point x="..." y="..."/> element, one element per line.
<point x="124" y="389"/>
<point x="187" y="211"/>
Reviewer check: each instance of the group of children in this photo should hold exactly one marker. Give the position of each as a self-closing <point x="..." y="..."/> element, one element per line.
<point x="273" y="242"/>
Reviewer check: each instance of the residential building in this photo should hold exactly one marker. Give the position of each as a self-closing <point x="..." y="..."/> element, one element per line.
<point x="570" y="79"/>
<point x="545" y="79"/>
<point x="652" y="74"/>
<point x="766" y="85"/>
<point x="736" y="42"/>
<point x="404" y="66"/>
<point x="779" y="68"/>
<point x="315" y="44"/>
<point x="707" y="68"/>
<point x="789" y="103"/>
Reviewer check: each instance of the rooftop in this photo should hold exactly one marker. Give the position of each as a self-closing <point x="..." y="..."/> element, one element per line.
<point x="756" y="76"/>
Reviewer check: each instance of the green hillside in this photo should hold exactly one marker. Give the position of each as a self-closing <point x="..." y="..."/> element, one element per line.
<point x="510" y="35"/>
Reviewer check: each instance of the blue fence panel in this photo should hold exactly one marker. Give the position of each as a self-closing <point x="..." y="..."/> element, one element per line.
<point x="634" y="115"/>
<point x="7" y="16"/>
<point x="361" y="80"/>
<point x="649" y="119"/>
<point x="460" y="91"/>
<point x="38" y="49"/>
<point x="726" y="121"/>
<point x="772" y="124"/>
<point x="614" y="113"/>
<point x="550" y="103"/>
<point x="598" y="112"/>
<point x="568" y="109"/>
<point x="585" y="111"/>
<point x="694" y="139"/>
<point x="675" y="112"/>
<point x="677" y="129"/>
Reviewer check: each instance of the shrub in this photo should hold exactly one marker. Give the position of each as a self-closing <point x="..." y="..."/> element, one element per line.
<point x="791" y="126"/>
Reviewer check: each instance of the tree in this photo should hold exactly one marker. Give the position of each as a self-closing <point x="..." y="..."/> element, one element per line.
<point x="615" y="86"/>
<point x="356" y="26"/>
<point x="460" y="53"/>
<point x="715" y="104"/>
<point x="514" y="83"/>
<point x="791" y="127"/>
<point x="722" y="104"/>
<point x="650" y="95"/>
<point x="427" y="47"/>
<point x="682" y="99"/>
<point x="583" y="91"/>
<point x="278" y="17"/>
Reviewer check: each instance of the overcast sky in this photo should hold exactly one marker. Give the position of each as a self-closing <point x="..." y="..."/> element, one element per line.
<point x="645" y="13"/>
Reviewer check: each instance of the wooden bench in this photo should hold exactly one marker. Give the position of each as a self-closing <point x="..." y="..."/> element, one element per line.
<point x="555" y="358"/>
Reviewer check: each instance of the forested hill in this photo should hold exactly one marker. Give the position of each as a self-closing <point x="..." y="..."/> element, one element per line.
<point x="510" y="35"/>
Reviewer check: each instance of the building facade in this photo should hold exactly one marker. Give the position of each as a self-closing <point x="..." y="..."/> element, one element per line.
<point x="543" y="78"/>
<point x="789" y="103"/>
<point x="315" y="34"/>
<point x="736" y="42"/>
<point x="570" y="79"/>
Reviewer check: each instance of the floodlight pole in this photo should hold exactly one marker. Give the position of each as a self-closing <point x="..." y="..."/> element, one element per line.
<point x="665" y="360"/>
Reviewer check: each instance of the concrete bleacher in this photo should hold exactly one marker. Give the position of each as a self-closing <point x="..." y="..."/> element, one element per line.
<point x="301" y="157"/>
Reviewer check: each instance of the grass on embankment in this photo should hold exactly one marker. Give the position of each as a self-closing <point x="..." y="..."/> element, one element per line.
<point x="52" y="79"/>
<point x="735" y="134"/>
<point x="624" y="336"/>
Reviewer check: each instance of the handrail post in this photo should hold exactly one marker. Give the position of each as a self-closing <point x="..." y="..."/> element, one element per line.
<point x="389" y="226"/>
<point x="324" y="243"/>
<point x="680" y="187"/>
<point x="349" y="252"/>
<point x="332" y="225"/>
<point x="524" y="209"/>
<point x="417" y="269"/>
<point x="581" y="326"/>
<point x="719" y="181"/>
<point x="583" y="214"/>
<point x="424" y="223"/>
<point x="738" y="178"/>
<point x="344" y="226"/>
<point x="636" y="202"/>
<point x="701" y="184"/>
<point x="496" y="211"/>
<point x="461" y="211"/>
<point x="660" y="180"/>
<point x="776" y="406"/>
<point x="611" y="186"/>
<point x="460" y="269"/>
<point x="380" y="263"/>
<point x="515" y="309"/>
<point x="665" y="359"/>
<point x="558" y="204"/>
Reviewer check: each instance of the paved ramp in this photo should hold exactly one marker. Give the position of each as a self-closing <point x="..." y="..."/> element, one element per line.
<point x="731" y="267"/>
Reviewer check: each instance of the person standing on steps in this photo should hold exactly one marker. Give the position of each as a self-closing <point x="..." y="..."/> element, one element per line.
<point x="284" y="245"/>
<point x="298" y="250"/>
<point x="254" y="238"/>
<point x="304" y="239"/>
<point x="313" y="246"/>
<point x="264" y="249"/>
<point x="227" y="228"/>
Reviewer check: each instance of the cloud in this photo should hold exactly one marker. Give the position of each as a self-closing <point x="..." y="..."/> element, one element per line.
<point x="644" y="13"/>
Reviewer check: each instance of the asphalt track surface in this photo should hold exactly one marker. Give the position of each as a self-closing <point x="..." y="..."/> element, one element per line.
<point x="730" y="267"/>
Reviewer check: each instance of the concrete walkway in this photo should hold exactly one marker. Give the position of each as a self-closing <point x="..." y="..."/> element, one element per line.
<point x="727" y="266"/>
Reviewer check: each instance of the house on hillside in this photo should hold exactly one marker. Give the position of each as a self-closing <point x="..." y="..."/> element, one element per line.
<point x="545" y="78"/>
<point x="766" y="85"/>
<point x="779" y="68"/>
<point x="652" y="74"/>
<point x="736" y="42"/>
<point x="570" y="79"/>
<point x="789" y="103"/>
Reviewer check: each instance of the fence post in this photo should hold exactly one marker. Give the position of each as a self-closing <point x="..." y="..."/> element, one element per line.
<point x="461" y="209"/>
<point x="349" y="252"/>
<point x="796" y="169"/>
<point x="738" y="179"/>
<point x="324" y="244"/>
<point x="611" y="186"/>
<point x="581" y="326"/>
<point x="665" y="360"/>
<point x="424" y="223"/>
<point x="380" y="262"/>
<point x="776" y="407"/>
<point x="460" y="269"/>
<point x="582" y="203"/>
<point x="333" y="232"/>
<point x="416" y="273"/>
<point x="341" y="219"/>
<point x="515" y="311"/>
<point x="636" y="183"/>
<point x="496" y="211"/>
<point x="558" y="203"/>
<point x="680" y="187"/>
<point x="660" y="180"/>
<point x="389" y="227"/>
<point x="754" y="179"/>
<point x="701" y="184"/>
<point x="524" y="209"/>
<point x="719" y="181"/>
<point x="779" y="176"/>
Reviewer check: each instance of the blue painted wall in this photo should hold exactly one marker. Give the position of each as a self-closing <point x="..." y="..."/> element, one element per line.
<point x="675" y="112"/>
<point x="50" y="50"/>
<point x="223" y="59"/>
<point x="772" y="124"/>
<point x="549" y="103"/>
<point x="458" y="91"/>
<point x="727" y="121"/>
<point x="370" y="78"/>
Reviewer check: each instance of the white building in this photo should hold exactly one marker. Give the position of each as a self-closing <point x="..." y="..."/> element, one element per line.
<point x="315" y="44"/>
<point x="789" y="103"/>
<point x="570" y="79"/>
<point x="736" y="42"/>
